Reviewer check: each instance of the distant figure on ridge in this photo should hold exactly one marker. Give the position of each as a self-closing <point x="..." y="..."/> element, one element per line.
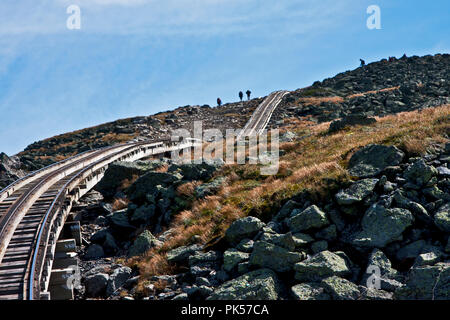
<point x="363" y="63"/>
<point x="241" y="95"/>
<point x="219" y="102"/>
<point x="248" y="94"/>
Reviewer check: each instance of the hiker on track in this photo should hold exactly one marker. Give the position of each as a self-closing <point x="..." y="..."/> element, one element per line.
<point x="363" y="63"/>
<point x="248" y="94"/>
<point x="219" y="102"/>
<point x="241" y="95"/>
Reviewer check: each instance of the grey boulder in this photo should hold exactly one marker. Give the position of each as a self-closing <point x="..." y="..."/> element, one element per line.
<point x="309" y="291"/>
<point x="144" y="242"/>
<point x="373" y="159"/>
<point x="117" y="279"/>
<point x="268" y="255"/>
<point x="321" y="265"/>
<point x="243" y="228"/>
<point x="442" y="218"/>
<point x="311" y="217"/>
<point x="426" y="283"/>
<point x="381" y="226"/>
<point x="356" y="192"/>
<point x="262" y="284"/>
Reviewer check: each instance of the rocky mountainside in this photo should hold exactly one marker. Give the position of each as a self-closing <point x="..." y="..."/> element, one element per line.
<point x="392" y="219"/>
<point x="156" y="127"/>
<point x="359" y="208"/>
<point x="377" y="89"/>
<point x="11" y="169"/>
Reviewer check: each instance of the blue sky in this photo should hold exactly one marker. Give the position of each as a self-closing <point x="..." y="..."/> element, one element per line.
<point x="138" y="57"/>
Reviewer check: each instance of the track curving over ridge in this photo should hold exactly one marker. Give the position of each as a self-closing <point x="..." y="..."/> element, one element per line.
<point x="33" y="209"/>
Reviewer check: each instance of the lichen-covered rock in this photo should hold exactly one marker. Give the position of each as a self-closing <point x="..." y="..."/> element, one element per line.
<point x="192" y="171"/>
<point x="321" y="265"/>
<point x="182" y="254"/>
<point x="151" y="185"/>
<point x="375" y="294"/>
<point x="286" y="210"/>
<point x="283" y="240"/>
<point x="356" y="192"/>
<point x="243" y="228"/>
<point x="288" y="136"/>
<point x="420" y="173"/>
<point x="373" y="159"/>
<point x="210" y="188"/>
<point x="200" y="258"/>
<point x="117" y="279"/>
<point x="246" y="245"/>
<point x="340" y="289"/>
<point x="442" y="218"/>
<point x="381" y="226"/>
<point x="267" y="255"/>
<point x="309" y="291"/>
<point x="416" y="208"/>
<point x="232" y="257"/>
<point x="144" y="242"/>
<point x="118" y="172"/>
<point x="426" y="283"/>
<point x="427" y="259"/>
<point x="262" y="284"/>
<point x="379" y="259"/>
<point x="380" y="266"/>
<point x="311" y="217"/>
<point x="301" y="239"/>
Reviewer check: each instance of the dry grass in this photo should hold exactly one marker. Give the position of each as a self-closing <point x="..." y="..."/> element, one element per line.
<point x="372" y="92"/>
<point x="308" y="101"/>
<point x="315" y="164"/>
<point x="187" y="189"/>
<point x="162" y="169"/>
<point x="119" y="204"/>
<point x="128" y="182"/>
<point x="318" y="100"/>
<point x="117" y="137"/>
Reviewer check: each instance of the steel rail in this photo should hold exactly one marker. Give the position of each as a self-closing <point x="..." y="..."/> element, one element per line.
<point x="37" y="172"/>
<point x="261" y="116"/>
<point x="44" y="227"/>
<point x="6" y="230"/>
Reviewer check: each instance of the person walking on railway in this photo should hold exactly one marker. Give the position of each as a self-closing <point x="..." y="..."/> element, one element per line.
<point x="241" y="95"/>
<point x="219" y="102"/>
<point x="248" y="94"/>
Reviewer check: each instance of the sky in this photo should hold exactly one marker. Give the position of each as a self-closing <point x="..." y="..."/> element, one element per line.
<point x="139" y="57"/>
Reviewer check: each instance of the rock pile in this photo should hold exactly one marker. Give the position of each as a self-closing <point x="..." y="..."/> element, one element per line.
<point x="384" y="236"/>
<point x="10" y="170"/>
<point x="377" y="89"/>
<point x="155" y="127"/>
<point x="153" y="198"/>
